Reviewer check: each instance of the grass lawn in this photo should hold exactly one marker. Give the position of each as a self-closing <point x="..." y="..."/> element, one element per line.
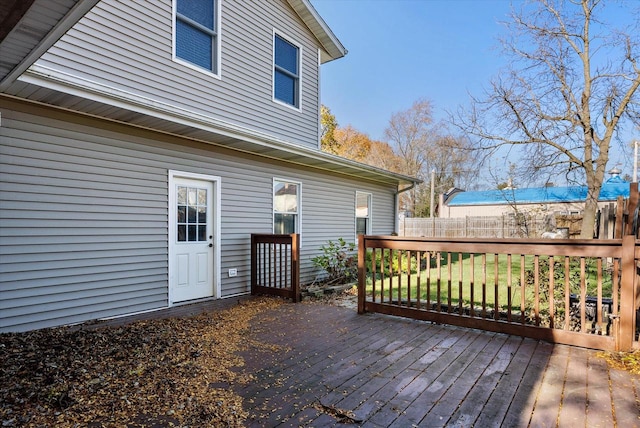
<point x="466" y="276"/>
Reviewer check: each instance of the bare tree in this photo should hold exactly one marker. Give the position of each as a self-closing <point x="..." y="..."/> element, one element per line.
<point x="572" y="85"/>
<point x="409" y="134"/>
<point x="423" y="146"/>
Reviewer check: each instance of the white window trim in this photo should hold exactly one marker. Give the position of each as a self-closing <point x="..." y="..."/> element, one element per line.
<point x="293" y="41"/>
<point x="273" y="210"/>
<point x="218" y="57"/>
<point x="369" y="217"/>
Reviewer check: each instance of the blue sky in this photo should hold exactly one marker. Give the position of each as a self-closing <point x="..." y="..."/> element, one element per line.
<point x="403" y="50"/>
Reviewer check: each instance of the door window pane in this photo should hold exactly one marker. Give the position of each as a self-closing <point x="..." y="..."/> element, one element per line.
<point x="192" y="214"/>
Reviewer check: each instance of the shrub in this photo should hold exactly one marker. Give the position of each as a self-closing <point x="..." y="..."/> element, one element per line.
<point x="340" y="261"/>
<point x="392" y="262"/>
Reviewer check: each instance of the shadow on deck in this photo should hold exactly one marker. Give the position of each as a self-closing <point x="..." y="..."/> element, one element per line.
<point x="381" y="371"/>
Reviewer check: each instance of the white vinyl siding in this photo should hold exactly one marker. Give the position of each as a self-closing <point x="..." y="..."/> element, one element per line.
<point x="128" y="46"/>
<point x="85" y="215"/>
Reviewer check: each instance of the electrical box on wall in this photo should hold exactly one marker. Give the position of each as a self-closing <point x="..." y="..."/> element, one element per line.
<point x="233" y="272"/>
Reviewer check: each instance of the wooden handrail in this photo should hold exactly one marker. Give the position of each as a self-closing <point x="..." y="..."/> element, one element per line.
<point x="621" y="255"/>
<point x="275" y="265"/>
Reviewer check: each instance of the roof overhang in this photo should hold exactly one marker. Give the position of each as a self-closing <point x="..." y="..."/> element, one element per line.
<point x="331" y="46"/>
<point x="28" y="28"/>
<point x="31" y="27"/>
<point x="204" y="130"/>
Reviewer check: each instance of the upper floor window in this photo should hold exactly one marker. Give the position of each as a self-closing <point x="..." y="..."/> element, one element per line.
<point x="286" y="207"/>
<point x="286" y="71"/>
<point x="196" y="33"/>
<point x="363" y="213"/>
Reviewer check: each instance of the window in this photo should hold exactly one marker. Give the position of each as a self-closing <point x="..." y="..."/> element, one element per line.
<point x="286" y="71"/>
<point x="286" y="207"/>
<point x="196" y="33"/>
<point x="363" y="213"/>
<point x="192" y="214"/>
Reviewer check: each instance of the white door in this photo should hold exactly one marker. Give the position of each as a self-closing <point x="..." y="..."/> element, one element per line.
<point x="191" y="236"/>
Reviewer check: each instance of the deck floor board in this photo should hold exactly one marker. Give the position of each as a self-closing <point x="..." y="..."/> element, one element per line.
<point x="386" y="371"/>
<point x="336" y="368"/>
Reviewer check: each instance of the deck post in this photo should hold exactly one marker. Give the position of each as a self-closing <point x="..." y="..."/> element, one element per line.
<point x="295" y="267"/>
<point x="254" y="264"/>
<point x="627" y="293"/>
<point x="362" y="273"/>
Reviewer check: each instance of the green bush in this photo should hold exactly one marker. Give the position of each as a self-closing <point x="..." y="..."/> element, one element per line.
<point x="391" y="262"/>
<point x="340" y="261"/>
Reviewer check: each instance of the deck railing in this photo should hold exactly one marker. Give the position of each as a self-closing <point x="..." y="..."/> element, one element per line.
<point x="577" y="292"/>
<point x="275" y="265"/>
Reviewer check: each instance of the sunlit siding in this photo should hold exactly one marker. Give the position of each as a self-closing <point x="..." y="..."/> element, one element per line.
<point x="128" y="46"/>
<point x="85" y="218"/>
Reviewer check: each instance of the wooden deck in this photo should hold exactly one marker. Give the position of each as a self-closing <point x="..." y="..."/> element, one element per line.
<point x="380" y="371"/>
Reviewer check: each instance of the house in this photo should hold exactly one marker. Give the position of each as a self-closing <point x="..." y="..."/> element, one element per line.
<point x="538" y="200"/>
<point x="142" y="143"/>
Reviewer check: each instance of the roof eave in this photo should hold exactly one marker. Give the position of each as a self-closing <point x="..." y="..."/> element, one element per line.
<point x="23" y="55"/>
<point x="332" y="48"/>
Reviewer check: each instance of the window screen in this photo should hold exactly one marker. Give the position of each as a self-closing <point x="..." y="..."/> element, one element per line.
<point x="363" y="213"/>
<point x="196" y="32"/>
<point x="285" y="207"/>
<point x="286" y="72"/>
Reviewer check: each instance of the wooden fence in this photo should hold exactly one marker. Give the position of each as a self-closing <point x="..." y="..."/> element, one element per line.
<point x="275" y="265"/>
<point x="613" y="221"/>
<point x="504" y="226"/>
<point x="577" y="292"/>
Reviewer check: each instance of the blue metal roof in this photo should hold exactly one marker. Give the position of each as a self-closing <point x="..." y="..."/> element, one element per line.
<point x="610" y="191"/>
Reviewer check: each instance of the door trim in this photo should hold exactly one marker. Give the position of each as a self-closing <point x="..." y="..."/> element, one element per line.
<point x="217" y="184"/>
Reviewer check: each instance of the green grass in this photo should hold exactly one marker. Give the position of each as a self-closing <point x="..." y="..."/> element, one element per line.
<point x="457" y="282"/>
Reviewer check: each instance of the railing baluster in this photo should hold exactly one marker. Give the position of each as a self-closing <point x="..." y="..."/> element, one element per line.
<point x="418" y="278"/>
<point x="390" y="276"/>
<point x="484" y="285"/>
<point x="373" y="274"/>
<point x="382" y="277"/>
<point x="567" y="293"/>
<point x="439" y="280"/>
<point x="583" y="296"/>
<point x="523" y="289"/>
<point x="615" y="285"/>
<point x="551" y="288"/>
<point x="599" y="309"/>
<point x="409" y="278"/>
<point x="496" y="299"/>
<point x="283" y="265"/>
<point x="536" y="275"/>
<point x="428" y="254"/>
<point x="460" y="282"/>
<point x="509" y="284"/>
<point x="471" y="290"/>
<point x="449" y="281"/>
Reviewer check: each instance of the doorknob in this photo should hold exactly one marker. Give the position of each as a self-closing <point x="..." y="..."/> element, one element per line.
<point x="210" y="245"/>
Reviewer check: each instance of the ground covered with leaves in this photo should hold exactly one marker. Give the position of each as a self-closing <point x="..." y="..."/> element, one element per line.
<point x="167" y="372"/>
<point x="629" y="361"/>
